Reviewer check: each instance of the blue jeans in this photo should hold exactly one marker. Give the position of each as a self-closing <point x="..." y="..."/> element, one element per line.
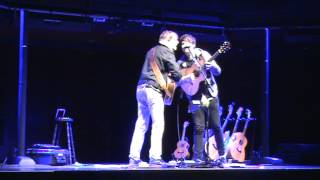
<point x="150" y="103"/>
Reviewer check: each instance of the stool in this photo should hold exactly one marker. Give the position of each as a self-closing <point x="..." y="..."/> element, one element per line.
<point x="60" y="120"/>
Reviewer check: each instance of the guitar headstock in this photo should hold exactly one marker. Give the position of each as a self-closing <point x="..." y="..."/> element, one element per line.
<point x="248" y="113"/>
<point x="226" y="46"/>
<point x="239" y="112"/>
<point x="186" y="124"/>
<point x="230" y="109"/>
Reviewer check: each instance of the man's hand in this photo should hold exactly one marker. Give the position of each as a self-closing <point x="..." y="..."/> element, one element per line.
<point x="186" y="79"/>
<point x="196" y="73"/>
<point x="208" y="65"/>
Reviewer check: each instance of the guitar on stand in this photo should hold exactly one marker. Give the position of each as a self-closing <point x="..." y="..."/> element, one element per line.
<point x="192" y="88"/>
<point x="233" y="136"/>
<point x="238" y="145"/>
<point x="182" y="146"/>
<point x="212" y="146"/>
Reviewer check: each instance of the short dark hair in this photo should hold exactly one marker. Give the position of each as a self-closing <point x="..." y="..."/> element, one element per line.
<point x="167" y="35"/>
<point x="189" y="38"/>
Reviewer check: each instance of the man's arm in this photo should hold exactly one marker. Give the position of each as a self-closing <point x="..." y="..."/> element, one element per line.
<point x="174" y="70"/>
<point x="172" y="66"/>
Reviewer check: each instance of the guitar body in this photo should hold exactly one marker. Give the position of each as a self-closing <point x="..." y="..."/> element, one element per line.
<point x="182" y="150"/>
<point x="182" y="146"/>
<point x="192" y="88"/>
<point x="213" y="149"/>
<point x="238" y="143"/>
<point x="169" y="92"/>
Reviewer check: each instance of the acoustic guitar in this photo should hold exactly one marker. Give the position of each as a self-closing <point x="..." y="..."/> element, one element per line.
<point x="192" y="88"/>
<point x="169" y="91"/>
<point x="212" y="146"/>
<point x="235" y="128"/>
<point x="239" y="143"/>
<point x="168" y="85"/>
<point x="182" y="146"/>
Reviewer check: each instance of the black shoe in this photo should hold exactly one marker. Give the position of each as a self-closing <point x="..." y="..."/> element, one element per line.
<point x="221" y="162"/>
<point x="199" y="163"/>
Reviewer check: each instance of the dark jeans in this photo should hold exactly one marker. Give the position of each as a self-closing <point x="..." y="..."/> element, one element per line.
<point x="212" y="115"/>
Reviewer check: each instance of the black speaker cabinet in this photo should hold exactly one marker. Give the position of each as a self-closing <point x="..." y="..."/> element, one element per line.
<point x="49" y="154"/>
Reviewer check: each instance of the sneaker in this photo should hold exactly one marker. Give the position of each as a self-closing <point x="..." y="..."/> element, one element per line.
<point x="135" y="162"/>
<point x="157" y="162"/>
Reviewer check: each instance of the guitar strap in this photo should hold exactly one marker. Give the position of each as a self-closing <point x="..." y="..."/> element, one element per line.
<point x="157" y="72"/>
<point x="210" y="80"/>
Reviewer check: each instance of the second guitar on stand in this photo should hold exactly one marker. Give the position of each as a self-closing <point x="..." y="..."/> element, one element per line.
<point x="182" y="146"/>
<point x="213" y="149"/>
<point x="239" y="141"/>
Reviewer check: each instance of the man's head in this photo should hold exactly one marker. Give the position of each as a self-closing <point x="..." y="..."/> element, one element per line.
<point x="169" y="39"/>
<point x="188" y="42"/>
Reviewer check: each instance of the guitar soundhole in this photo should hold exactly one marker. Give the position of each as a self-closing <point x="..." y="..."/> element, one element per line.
<point x="215" y="146"/>
<point x="239" y="150"/>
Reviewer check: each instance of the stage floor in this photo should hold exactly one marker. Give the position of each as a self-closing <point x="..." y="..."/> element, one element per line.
<point x="124" y="171"/>
<point x="126" y="167"/>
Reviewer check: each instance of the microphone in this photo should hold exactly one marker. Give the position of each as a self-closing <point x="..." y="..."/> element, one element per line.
<point x="187" y="49"/>
<point x="185" y="46"/>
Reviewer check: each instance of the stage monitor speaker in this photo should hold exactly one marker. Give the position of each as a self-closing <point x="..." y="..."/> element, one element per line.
<point x="301" y="154"/>
<point x="49" y="154"/>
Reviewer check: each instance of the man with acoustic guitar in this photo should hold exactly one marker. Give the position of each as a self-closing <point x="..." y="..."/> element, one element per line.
<point x="160" y="61"/>
<point x="203" y="97"/>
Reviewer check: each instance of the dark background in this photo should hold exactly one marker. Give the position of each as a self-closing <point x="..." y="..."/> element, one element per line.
<point x="91" y="69"/>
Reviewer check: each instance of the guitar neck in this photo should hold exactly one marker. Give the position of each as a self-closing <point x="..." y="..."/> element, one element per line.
<point x="223" y="48"/>
<point x="230" y="110"/>
<point x="236" y="126"/>
<point x="248" y="112"/>
<point x="214" y="56"/>
<point x="183" y="133"/>
<point x="239" y="113"/>
<point x="245" y="126"/>
<point x="225" y="123"/>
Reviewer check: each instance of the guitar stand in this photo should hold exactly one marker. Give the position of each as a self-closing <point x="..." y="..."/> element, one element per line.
<point x="181" y="163"/>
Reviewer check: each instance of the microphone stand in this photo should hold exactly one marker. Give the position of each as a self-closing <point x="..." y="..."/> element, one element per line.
<point x="208" y="162"/>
